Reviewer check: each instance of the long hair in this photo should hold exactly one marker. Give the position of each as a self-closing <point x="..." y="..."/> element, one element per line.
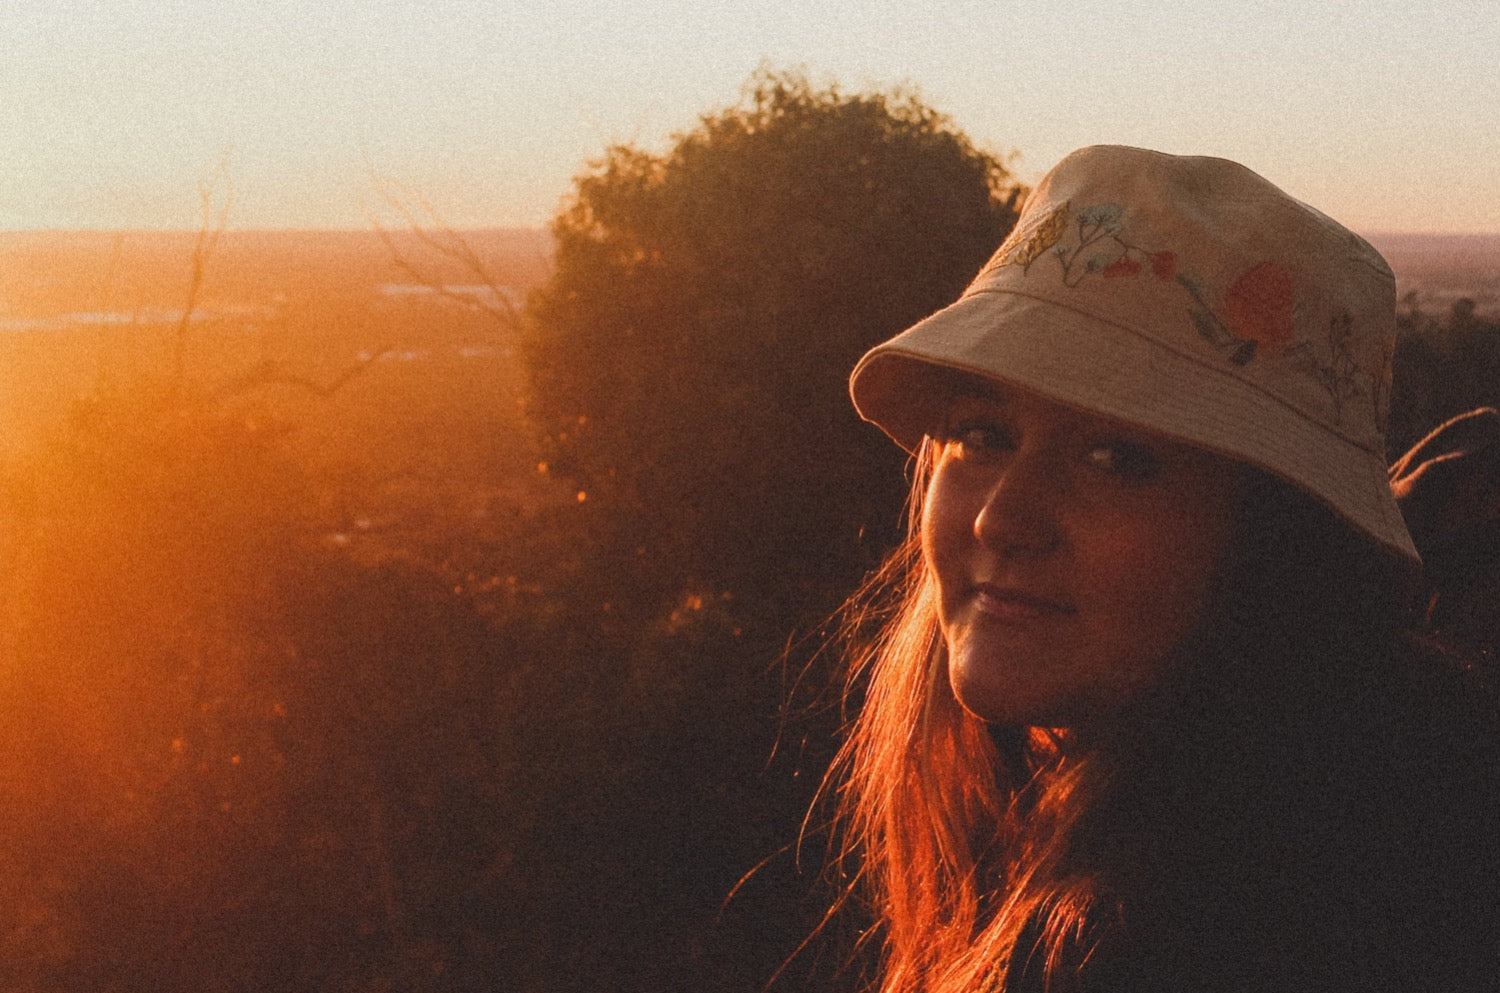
<point x="1206" y="833"/>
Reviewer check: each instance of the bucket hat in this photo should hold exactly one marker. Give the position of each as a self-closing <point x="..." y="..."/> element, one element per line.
<point x="1186" y="296"/>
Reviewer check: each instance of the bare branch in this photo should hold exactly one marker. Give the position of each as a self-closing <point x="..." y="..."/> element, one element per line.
<point x="270" y="374"/>
<point x="426" y="224"/>
<point x="211" y="226"/>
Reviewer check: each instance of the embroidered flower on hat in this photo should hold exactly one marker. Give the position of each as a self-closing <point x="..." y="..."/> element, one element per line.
<point x="1025" y="246"/>
<point x="1258" y="307"/>
<point x="1256" y="318"/>
<point x="1332" y="362"/>
<point x="1099" y="220"/>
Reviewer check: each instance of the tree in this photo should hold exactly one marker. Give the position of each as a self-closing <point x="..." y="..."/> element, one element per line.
<point x="687" y="358"/>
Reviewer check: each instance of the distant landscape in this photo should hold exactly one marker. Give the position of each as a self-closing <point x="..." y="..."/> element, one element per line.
<point x="1440" y="269"/>
<point x="44" y="273"/>
<point x="78" y="309"/>
<point x="286" y="315"/>
<point x="51" y="275"/>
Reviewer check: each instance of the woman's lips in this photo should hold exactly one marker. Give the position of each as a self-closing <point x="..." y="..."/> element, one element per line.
<point x="1011" y="604"/>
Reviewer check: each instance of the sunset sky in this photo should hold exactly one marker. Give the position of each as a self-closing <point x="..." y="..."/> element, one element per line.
<point x="1385" y="114"/>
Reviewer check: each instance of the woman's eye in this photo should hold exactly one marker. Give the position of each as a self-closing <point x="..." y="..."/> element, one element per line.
<point x="1124" y="458"/>
<point x="979" y="439"/>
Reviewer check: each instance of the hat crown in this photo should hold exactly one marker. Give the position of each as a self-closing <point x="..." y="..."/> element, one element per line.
<point x="1204" y="257"/>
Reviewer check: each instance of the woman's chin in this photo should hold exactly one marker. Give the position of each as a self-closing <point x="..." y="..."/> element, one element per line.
<point x="986" y="691"/>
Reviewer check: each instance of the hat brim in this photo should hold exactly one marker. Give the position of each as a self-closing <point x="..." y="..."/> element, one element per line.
<point x="1084" y="361"/>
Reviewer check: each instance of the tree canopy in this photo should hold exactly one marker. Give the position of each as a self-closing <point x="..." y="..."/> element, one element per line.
<point x="688" y="356"/>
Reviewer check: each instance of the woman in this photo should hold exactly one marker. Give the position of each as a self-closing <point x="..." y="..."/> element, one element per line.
<point x="1141" y="716"/>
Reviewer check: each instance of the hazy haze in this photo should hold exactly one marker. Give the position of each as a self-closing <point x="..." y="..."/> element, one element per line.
<point x="1384" y="114"/>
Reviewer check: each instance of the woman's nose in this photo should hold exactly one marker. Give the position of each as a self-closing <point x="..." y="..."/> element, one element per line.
<point x="1019" y="515"/>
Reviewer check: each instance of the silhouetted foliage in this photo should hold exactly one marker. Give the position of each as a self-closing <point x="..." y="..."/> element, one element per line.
<point x="688" y="356"/>
<point x="687" y="362"/>
<point x="687" y="365"/>
<point x="1443" y="367"/>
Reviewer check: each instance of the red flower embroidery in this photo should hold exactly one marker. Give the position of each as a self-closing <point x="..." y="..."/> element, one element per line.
<point x="1164" y="265"/>
<point x="1258" y="306"/>
<point x="1122" y="266"/>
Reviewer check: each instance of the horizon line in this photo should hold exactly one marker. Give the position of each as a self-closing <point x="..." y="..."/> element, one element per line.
<point x="268" y="230"/>
<point x="542" y="229"/>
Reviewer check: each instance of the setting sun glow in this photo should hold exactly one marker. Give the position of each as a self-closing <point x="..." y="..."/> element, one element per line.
<point x="1382" y="113"/>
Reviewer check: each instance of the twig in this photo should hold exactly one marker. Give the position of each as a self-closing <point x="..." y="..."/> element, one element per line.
<point x="269" y="374"/>
<point x="210" y="228"/>
<point x="429" y="228"/>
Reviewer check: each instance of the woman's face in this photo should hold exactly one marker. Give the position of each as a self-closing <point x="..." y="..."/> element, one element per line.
<point x="1073" y="556"/>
